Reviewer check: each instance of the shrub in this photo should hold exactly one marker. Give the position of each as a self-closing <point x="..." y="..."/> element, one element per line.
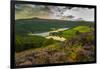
<point x="48" y="42"/>
<point x="27" y="42"/>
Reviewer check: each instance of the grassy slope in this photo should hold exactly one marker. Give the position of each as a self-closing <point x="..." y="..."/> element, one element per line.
<point x="74" y="31"/>
<point x="33" y="25"/>
<point x="79" y="48"/>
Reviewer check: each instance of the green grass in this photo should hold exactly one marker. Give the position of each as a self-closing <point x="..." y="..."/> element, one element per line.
<point x="69" y="33"/>
<point x="74" y="31"/>
<point x="28" y="42"/>
<point x="76" y="49"/>
<point x="35" y="25"/>
<point x="78" y="46"/>
<point x="83" y="29"/>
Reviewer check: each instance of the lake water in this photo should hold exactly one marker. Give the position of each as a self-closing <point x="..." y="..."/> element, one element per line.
<point x="46" y="34"/>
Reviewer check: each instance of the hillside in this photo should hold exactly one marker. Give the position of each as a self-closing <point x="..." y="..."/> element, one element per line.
<point x="79" y="48"/>
<point x="47" y="34"/>
<point x="36" y="25"/>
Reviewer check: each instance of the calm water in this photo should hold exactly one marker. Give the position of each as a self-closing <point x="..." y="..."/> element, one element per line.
<point x="45" y="34"/>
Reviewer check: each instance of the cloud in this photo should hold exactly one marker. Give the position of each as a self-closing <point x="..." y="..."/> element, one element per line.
<point x="75" y="13"/>
<point x="60" y="12"/>
<point x="83" y="13"/>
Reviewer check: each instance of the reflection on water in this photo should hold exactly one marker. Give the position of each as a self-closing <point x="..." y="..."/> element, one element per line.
<point x="46" y="34"/>
<point x="41" y="34"/>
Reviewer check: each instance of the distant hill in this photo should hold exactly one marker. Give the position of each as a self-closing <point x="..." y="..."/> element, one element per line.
<point x="27" y="11"/>
<point x="35" y="25"/>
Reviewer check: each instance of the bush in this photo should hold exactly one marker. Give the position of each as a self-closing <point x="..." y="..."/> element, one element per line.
<point x="49" y="42"/>
<point x="27" y="42"/>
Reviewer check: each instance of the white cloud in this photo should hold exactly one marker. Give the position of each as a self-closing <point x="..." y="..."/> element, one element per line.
<point x="59" y="12"/>
<point x="84" y="13"/>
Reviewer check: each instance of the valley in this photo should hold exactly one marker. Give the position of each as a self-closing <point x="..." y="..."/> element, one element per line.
<point x="44" y="41"/>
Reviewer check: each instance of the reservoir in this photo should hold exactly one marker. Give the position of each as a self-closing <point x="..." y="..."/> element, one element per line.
<point x="46" y="34"/>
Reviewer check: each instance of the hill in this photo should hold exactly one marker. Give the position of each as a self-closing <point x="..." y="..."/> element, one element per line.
<point x="36" y="25"/>
<point x="79" y="48"/>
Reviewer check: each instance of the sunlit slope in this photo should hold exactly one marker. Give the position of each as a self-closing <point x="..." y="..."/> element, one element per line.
<point x="28" y="42"/>
<point x="79" y="48"/>
<point x="36" y="25"/>
<point x="72" y="32"/>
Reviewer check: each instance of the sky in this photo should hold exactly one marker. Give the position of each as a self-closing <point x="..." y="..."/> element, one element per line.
<point x="60" y="12"/>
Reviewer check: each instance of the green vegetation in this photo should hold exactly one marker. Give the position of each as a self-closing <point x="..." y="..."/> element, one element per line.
<point x="28" y="42"/>
<point x="79" y="45"/>
<point x="36" y="25"/>
<point x="77" y="49"/>
<point x="75" y="44"/>
<point x="83" y="29"/>
<point x="73" y="31"/>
